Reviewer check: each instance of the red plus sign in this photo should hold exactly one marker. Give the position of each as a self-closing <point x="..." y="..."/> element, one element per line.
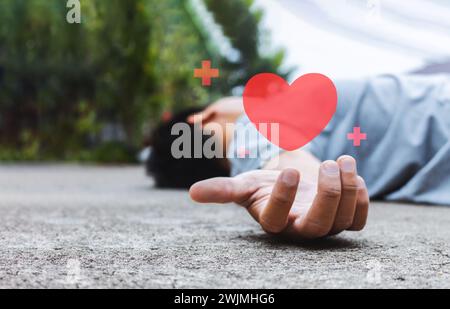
<point x="357" y="136"/>
<point x="206" y="73"/>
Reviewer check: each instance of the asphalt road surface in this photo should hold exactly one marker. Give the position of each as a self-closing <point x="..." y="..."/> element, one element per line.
<point x="106" y="227"/>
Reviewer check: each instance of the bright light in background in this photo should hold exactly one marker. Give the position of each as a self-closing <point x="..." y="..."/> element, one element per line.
<point x="221" y="42"/>
<point x="354" y="38"/>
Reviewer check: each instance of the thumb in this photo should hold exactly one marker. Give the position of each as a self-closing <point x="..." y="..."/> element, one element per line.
<point x="218" y="190"/>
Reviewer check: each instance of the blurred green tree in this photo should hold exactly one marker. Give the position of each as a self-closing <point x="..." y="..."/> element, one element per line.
<point x="89" y="91"/>
<point x="241" y="25"/>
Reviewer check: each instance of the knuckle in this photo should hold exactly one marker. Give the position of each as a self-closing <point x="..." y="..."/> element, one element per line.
<point x="332" y="192"/>
<point x="280" y="199"/>
<point x="315" y="230"/>
<point x="270" y="227"/>
<point x="350" y="187"/>
<point x="342" y="224"/>
<point x="359" y="225"/>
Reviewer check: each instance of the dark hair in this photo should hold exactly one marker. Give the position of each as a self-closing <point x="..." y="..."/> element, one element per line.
<point x="169" y="172"/>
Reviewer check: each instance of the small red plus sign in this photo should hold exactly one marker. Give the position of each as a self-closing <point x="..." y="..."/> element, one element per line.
<point x="357" y="136"/>
<point x="206" y="73"/>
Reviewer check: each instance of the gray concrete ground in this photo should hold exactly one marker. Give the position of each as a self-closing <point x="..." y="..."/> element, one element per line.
<point x="105" y="227"/>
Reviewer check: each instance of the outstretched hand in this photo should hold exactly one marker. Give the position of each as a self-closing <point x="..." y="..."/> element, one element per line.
<point x="283" y="204"/>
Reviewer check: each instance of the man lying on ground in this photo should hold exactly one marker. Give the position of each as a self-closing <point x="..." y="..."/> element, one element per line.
<point x="305" y="193"/>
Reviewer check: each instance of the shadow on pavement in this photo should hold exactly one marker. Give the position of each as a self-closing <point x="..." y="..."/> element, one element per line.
<point x="330" y="243"/>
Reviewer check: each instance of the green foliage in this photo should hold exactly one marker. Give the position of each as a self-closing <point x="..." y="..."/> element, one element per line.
<point x="178" y="48"/>
<point x="241" y="26"/>
<point x="63" y="81"/>
<point x="62" y="85"/>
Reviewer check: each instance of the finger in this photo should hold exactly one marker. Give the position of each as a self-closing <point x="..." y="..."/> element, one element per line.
<point x="219" y="190"/>
<point x="202" y="117"/>
<point x="347" y="204"/>
<point x="320" y="217"/>
<point x="362" y="207"/>
<point x="274" y="217"/>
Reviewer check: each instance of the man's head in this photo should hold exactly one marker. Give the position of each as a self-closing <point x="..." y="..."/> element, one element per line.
<point x="170" y="172"/>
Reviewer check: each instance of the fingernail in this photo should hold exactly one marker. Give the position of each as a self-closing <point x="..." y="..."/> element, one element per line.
<point x="289" y="178"/>
<point x="348" y="165"/>
<point x="331" y="168"/>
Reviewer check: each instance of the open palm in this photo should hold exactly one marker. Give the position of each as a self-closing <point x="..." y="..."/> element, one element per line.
<point x="283" y="204"/>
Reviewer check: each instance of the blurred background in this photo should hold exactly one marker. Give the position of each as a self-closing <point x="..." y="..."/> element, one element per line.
<point x="91" y="92"/>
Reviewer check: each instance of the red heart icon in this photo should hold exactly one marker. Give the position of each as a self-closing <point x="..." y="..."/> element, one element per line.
<point x="301" y="110"/>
